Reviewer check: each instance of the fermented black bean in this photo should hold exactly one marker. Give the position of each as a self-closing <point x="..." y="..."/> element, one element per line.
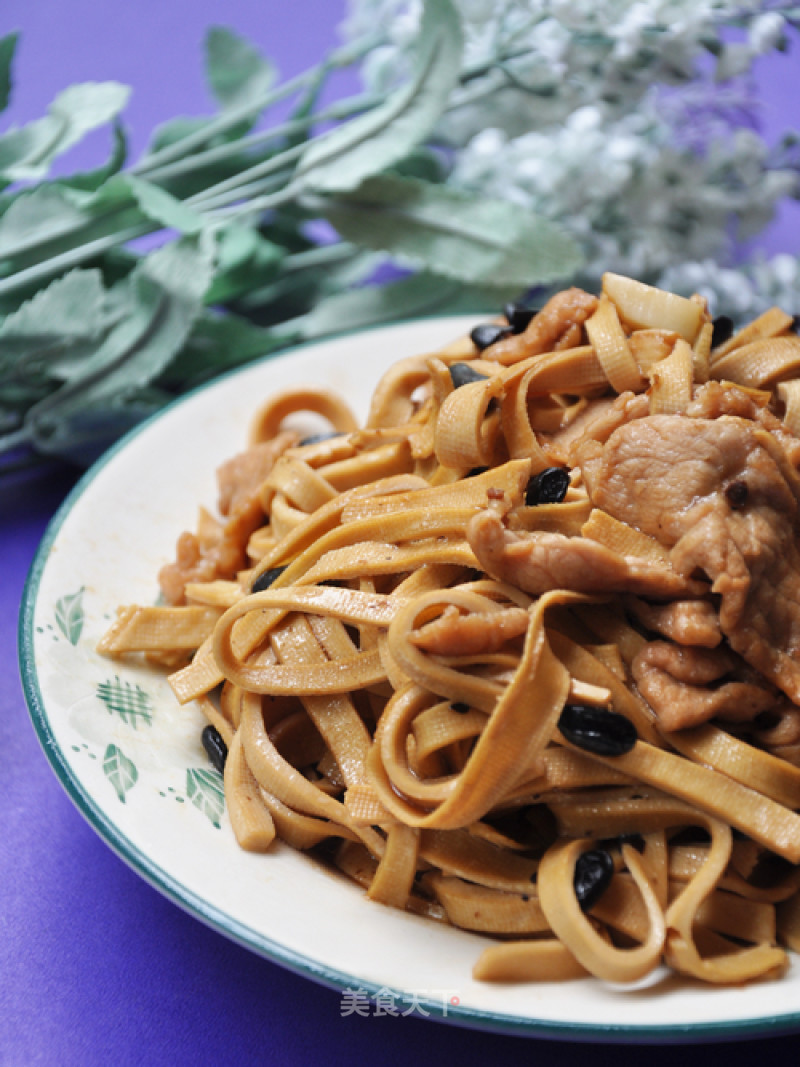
<point x="722" y="330"/>
<point x="597" y="729"/>
<point x="463" y="374"/>
<point x="216" y="749"/>
<point x="593" y="873"/>
<point x="489" y="333"/>
<point x="265" y="579"/>
<point x="519" y="318"/>
<point x="547" y="487"/>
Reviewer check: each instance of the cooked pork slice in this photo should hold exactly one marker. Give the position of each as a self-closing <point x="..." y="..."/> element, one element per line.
<point x="239" y="478"/>
<point x="610" y="417"/>
<point x="780" y="727"/>
<point x="719" y="493"/>
<point x="220" y="551"/>
<point x="687" y="622"/>
<point x="677" y="684"/>
<point x="723" y="398"/>
<point x="557" y="326"/>
<point x="540" y="561"/>
<point x="454" y="634"/>
<point x="562" y="439"/>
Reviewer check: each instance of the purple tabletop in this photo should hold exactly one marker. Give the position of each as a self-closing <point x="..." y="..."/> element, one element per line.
<point x="96" y="966"/>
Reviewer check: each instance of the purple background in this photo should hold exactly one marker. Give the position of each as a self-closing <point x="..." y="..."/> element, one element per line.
<point x="96" y="967"/>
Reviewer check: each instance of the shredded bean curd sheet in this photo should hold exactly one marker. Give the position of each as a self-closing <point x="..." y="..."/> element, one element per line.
<point x="385" y="625"/>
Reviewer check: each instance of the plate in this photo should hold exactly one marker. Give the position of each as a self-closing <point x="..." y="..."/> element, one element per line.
<point x="132" y="760"/>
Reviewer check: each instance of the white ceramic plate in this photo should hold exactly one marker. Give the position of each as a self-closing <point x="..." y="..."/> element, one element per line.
<point x="132" y="760"/>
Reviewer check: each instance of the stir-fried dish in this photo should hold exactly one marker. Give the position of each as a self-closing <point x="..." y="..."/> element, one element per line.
<point x="521" y="652"/>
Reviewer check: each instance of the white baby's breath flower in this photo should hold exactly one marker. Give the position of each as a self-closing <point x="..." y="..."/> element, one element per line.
<point x="742" y="292"/>
<point x="766" y="32"/>
<point x="611" y="118"/>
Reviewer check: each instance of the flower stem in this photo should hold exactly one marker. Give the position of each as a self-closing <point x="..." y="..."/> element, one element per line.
<point x="220" y="153"/>
<point x="9" y="442"/>
<point x="342" y="57"/>
<point x="73" y="257"/>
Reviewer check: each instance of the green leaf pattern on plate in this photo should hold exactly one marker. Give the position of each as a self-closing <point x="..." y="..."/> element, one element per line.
<point x="128" y="700"/>
<point x="205" y="790"/>
<point x="119" y="770"/>
<point x="69" y="616"/>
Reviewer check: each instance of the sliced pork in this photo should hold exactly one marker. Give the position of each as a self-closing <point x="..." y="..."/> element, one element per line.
<point x="722" y="495"/>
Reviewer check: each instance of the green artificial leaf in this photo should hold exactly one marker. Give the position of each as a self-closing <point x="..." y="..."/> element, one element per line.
<point x="420" y="294"/>
<point x="15" y="399"/>
<point x="244" y="259"/>
<point x="289" y="295"/>
<point x="85" y="433"/>
<point x="376" y="140"/>
<point x="174" y="130"/>
<point x="435" y="228"/>
<point x="236" y="71"/>
<point x="352" y="272"/>
<point x="8" y="46"/>
<point x="120" y="771"/>
<point x="216" y="344"/>
<point x="162" y="207"/>
<point x="37" y="216"/>
<point x="112" y="195"/>
<point x="70" y="306"/>
<point x="423" y="163"/>
<point x="27" y="153"/>
<point x="158" y="303"/>
<point x="57" y="323"/>
<point x="90" y="181"/>
<point x="306" y="278"/>
<point x="69" y="615"/>
<point x="205" y="790"/>
<point x="161" y="298"/>
<point x="129" y="701"/>
<point x="53" y="219"/>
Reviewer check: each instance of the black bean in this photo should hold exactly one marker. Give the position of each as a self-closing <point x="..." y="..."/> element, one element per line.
<point x="474" y="471"/>
<point x="723" y="329"/>
<point x="736" y="493"/>
<point x="460" y="707"/>
<point x="463" y="374"/>
<point x="547" y="487"/>
<point x="795" y="327"/>
<point x="317" y="438"/>
<point x="596" y="729"/>
<point x="216" y="749"/>
<point x="519" y="318"/>
<point x="488" y="333"/>
<point x="593" y="873"/>
<point x="265" y="579"/>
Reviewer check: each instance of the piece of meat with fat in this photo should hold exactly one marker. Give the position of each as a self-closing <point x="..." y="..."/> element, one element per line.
<point x="721" y="493"/>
